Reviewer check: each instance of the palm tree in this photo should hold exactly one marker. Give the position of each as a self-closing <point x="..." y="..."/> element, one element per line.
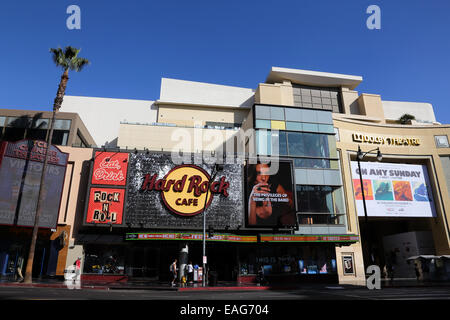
<point x="67" y="59"/>
<point x="406" y="118"/>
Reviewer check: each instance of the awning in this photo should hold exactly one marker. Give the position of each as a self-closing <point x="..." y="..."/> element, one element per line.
<point x="190" y="237"/>
<point x="310" y="238"/>
<point x="426" y="256"/>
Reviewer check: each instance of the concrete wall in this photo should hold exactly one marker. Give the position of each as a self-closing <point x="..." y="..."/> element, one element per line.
<point x="159" y="138"/>
<point x="102" y="116"/>
<point x="422" y="111"/>
<point x="188" y="115"/>
<point x="72" y="204"/>
<point x="191" y="92"/>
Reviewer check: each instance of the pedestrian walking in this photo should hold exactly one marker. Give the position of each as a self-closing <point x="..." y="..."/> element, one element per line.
<point x="173" y="270"/>
<point x="190" y="272"/>
<point x="20" y="261"/>
<point x="77" y="269"/>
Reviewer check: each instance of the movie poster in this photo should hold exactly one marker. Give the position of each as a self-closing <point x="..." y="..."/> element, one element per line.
<point x="393" y="190"/>
<point x="270" y="198"/>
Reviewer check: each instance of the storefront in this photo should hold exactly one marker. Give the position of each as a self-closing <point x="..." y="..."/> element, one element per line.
<point x="403" y="212"/>
<point x="143" y="210"/>
<point x="20" y="174"/>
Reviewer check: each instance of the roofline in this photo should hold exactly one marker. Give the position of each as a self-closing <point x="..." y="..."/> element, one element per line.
<point x="313" y="78"/>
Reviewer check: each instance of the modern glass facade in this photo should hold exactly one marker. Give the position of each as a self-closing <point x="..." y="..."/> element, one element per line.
<point x="307" y="137"/>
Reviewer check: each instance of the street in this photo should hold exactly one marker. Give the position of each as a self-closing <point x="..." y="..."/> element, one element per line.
<point x="266" y="304"/>
<point x="316" y="293"/>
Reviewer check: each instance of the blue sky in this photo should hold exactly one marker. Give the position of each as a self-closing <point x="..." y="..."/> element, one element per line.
<point x="133" y="43"/>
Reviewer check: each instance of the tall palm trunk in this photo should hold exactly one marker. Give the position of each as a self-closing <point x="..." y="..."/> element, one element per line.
<point x="57" y="104"/>
<point x="61" y="90"/>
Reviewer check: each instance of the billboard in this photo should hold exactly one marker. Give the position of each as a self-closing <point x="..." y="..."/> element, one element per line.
<point x="20" y="177"/>
<point x="270" y="198"/>
<point x="106" y="195"/>
<point x="393" y="190"/>
<point x="162" y="194"/>
<point x="149" y="190"/>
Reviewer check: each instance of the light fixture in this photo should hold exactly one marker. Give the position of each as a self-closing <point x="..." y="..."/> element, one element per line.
<point x="379" y="155"/>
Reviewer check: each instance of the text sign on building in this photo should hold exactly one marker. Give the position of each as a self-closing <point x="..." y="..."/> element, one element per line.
<point x="383" y="140"/>
<point x="270" y="198"/>
<point x="185" y="190"/>
<point x="162" y="194"/>
<point x="105" y="205"/>
<point x="20" y="178"/>
<point x="393" y="190"/>
<point x="110" y="168"/>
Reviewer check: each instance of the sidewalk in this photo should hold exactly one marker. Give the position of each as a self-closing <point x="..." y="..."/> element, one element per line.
<point x="221" y="286"/>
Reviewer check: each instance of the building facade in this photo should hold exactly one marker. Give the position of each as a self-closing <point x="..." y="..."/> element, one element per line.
<point x="22" y="153"/>
<point x="288" y="198"/>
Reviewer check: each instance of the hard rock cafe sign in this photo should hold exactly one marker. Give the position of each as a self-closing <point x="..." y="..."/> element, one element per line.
<point x="185" y="189"/>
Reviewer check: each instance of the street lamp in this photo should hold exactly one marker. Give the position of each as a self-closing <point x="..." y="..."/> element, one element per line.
<point x="216" y="169"/>
<point x="359" y="157"/>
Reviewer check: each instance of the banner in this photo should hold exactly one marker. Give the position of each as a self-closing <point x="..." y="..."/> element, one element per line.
<point x="270" y="198"/>
<point x="20" y="179"/>
<point x="393" y="190"/>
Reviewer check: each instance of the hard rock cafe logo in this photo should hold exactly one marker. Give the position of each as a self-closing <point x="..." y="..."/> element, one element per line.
<point x="185" y="189"/>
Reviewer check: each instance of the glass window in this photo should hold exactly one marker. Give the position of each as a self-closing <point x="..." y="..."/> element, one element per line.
<point x="338" y="196"/>
<point x="316" y="145"/>
<point x="279" y="144"/>
<point x="306" y="99"/>
<point x="60" y="137"/>
<point x="295" y="144"/>
<point x="326" y="128"/>
<point x="315" y="199"/>
<point x="315" y="93"/>
<point x="278" y="125"/>
<point x="62" y="124"/>
<point x="262" y="112"/>
<point x="441" y="141"/>
<point x="294" y="126"/>
<point x="312" y="163"/>
<point x="293" y="114"/>
<point x="325" y="94"/>
<point x="309" y="116"/>
<point x="263" y="142"/>
<point x="309" y="145"/>
<point x="79" y="141"/>
<point x="104" y="259"/>
<point x="14" y="134"/>
<point x="310" y="127"/>
<point x="37" y="134"/>
<point x="276" y="113"/>
<point x="262" y="124"/>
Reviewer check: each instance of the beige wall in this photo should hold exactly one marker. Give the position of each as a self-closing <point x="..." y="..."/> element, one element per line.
<point x="276" y="94"/>
<point x="159" y="138"/>
<point x="191" y="115"/>
<point x="70" y="205"/>
<point x="425" y="153"/>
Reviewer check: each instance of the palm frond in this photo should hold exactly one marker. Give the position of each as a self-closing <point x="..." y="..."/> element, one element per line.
<point x="78" y="64"/>
<point x="71" y="52"/>
<point x="58" y="57"/>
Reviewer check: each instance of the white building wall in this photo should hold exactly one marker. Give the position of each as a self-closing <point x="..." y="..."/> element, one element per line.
<point x="423" y="112"/>
<point x="102" y="116"/>
<point x="190" y="92"/>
